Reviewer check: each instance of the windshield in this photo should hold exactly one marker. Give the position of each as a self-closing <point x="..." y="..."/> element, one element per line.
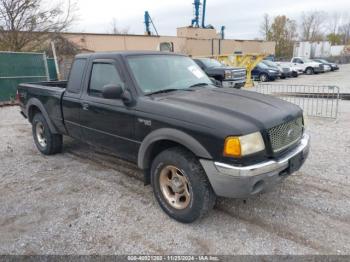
<point x="322" y="61"/>
<point x="208" y="62"/>
<point x="154" y="73"/>
<point x="306" y="60"/>
<point x="262" y="65"/>
<point x="270" y="63"/>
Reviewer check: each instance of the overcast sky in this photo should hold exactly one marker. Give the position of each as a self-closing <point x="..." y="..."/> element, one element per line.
<point x="241" y="17"/>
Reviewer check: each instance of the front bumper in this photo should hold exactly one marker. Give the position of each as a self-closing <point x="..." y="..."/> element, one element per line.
<point x="240" y="182"/>
<point x="273" y="76"/>
<point x="234" y="83"/>
<point x="318" y="70"/>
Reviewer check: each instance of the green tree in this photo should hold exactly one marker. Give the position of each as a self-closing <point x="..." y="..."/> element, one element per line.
<point x="283" y="32"/>
<point x="335" y="39"/>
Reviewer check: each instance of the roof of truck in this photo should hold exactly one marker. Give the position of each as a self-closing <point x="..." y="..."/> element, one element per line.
<point x="125" y="53"/>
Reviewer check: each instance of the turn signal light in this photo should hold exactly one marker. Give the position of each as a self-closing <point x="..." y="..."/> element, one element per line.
<point x="232" y="147"/>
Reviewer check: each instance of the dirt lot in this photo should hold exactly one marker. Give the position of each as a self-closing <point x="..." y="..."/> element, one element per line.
<point x="87" y="202"/>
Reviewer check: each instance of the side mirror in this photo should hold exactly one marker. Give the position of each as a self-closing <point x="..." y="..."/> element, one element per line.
<point x="112" y="91"/>
<point x="215" y="82"/>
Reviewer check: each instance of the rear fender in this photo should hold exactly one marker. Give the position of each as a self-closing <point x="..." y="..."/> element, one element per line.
<point x="34" y="102"/>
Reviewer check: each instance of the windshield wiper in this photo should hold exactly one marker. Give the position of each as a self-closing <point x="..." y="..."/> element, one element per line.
<point x="166" y="91"/>
<point x="199" y="84"/>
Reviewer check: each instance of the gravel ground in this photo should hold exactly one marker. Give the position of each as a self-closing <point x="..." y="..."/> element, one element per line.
<point x="85" y="201"/>
<point x="340" y="78"/>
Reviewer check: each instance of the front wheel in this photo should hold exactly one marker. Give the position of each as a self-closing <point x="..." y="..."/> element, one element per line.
<point x="309" y="71"/>
<point x="264" y="78"/>
<point x="46" y="142"/>
<point x="181" y="186"/>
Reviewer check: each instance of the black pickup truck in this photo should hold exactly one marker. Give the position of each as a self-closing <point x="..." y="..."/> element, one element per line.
<point x="227" y="76"/>
<point x="193" y="140"/>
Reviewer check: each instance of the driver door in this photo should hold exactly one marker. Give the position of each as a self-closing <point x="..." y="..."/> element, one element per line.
<point x="107" y="122"/>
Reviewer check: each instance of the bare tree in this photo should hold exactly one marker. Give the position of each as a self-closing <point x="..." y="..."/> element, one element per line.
<point x="117" y="31"/>
<point x="334" y="21"/>
<point x="265" y="27"/>
<point x="312" y="26"/>
<point x="25" y="23"/>
<point x="344" y="31"/>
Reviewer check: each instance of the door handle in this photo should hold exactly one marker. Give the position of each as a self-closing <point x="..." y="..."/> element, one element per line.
<point x="85" y="106"/>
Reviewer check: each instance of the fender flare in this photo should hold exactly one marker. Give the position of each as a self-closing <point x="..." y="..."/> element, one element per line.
<point x="37" y="103"/>
<point x="173" y="135"/>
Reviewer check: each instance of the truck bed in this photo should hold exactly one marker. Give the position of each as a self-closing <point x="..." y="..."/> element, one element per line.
<point x="49" y="94"/>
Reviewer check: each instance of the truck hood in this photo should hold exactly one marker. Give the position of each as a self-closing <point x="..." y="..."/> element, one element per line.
<point x="315" y="64"/>
<point x="228" y="110"/>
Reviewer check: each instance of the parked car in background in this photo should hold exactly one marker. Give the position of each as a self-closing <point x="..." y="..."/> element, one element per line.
<point x="326" y="68"/>
<point x="193" y="141"/>
<point x="333" y="66"/>
<point x="226" y="75"/>
<point x="284" y="70"/>
<point x="309" y="67"/>
<point x="264" y="73"/>
<point x="296" y="70"/>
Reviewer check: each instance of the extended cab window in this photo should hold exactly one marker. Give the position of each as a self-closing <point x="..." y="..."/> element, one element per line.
<point x="103" y="74"/>
<point x="76" y="75"/>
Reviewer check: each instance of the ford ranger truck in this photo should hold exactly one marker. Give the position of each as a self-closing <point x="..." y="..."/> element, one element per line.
<point x="195" y="142"/>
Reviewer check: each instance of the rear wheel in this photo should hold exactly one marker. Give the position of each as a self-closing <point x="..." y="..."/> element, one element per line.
<point x="263" y="78"/>
<point x="46" y="142"/>
<point x="181" y="186"/>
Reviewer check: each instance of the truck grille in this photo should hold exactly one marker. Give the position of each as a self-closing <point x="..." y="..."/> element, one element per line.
<point x="239" y="74"/>
<point x="286" y="134"/>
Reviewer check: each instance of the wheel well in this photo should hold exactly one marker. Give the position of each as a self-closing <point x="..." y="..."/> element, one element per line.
<point x="32" y="111"/>
<point x="155" y="149"/>
<point x="263" y="73"/>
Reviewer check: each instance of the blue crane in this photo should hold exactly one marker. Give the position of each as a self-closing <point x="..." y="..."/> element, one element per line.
<point x="148" y="23"/>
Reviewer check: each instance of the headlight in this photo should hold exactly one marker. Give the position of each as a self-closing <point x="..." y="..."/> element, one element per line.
<point x="272" y="71"/>
<point x="228" y="74"/>
<point x="238" y="146"/>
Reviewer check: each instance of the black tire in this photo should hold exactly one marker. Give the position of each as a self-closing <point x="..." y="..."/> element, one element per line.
<point x="202" y="197"/>
<point x="309" y="71"/>
<point x="264" y="77"/>
<point x="294" y="74"/>
<point x="53" y="144"/>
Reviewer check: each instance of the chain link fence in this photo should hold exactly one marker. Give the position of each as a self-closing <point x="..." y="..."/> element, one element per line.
<point x="20" y="67"/>
<point x="316" y="101"/>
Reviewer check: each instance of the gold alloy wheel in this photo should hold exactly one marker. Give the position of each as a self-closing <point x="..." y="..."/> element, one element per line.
<point x="40" y="134"/>
<point x="175" y="187"/>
